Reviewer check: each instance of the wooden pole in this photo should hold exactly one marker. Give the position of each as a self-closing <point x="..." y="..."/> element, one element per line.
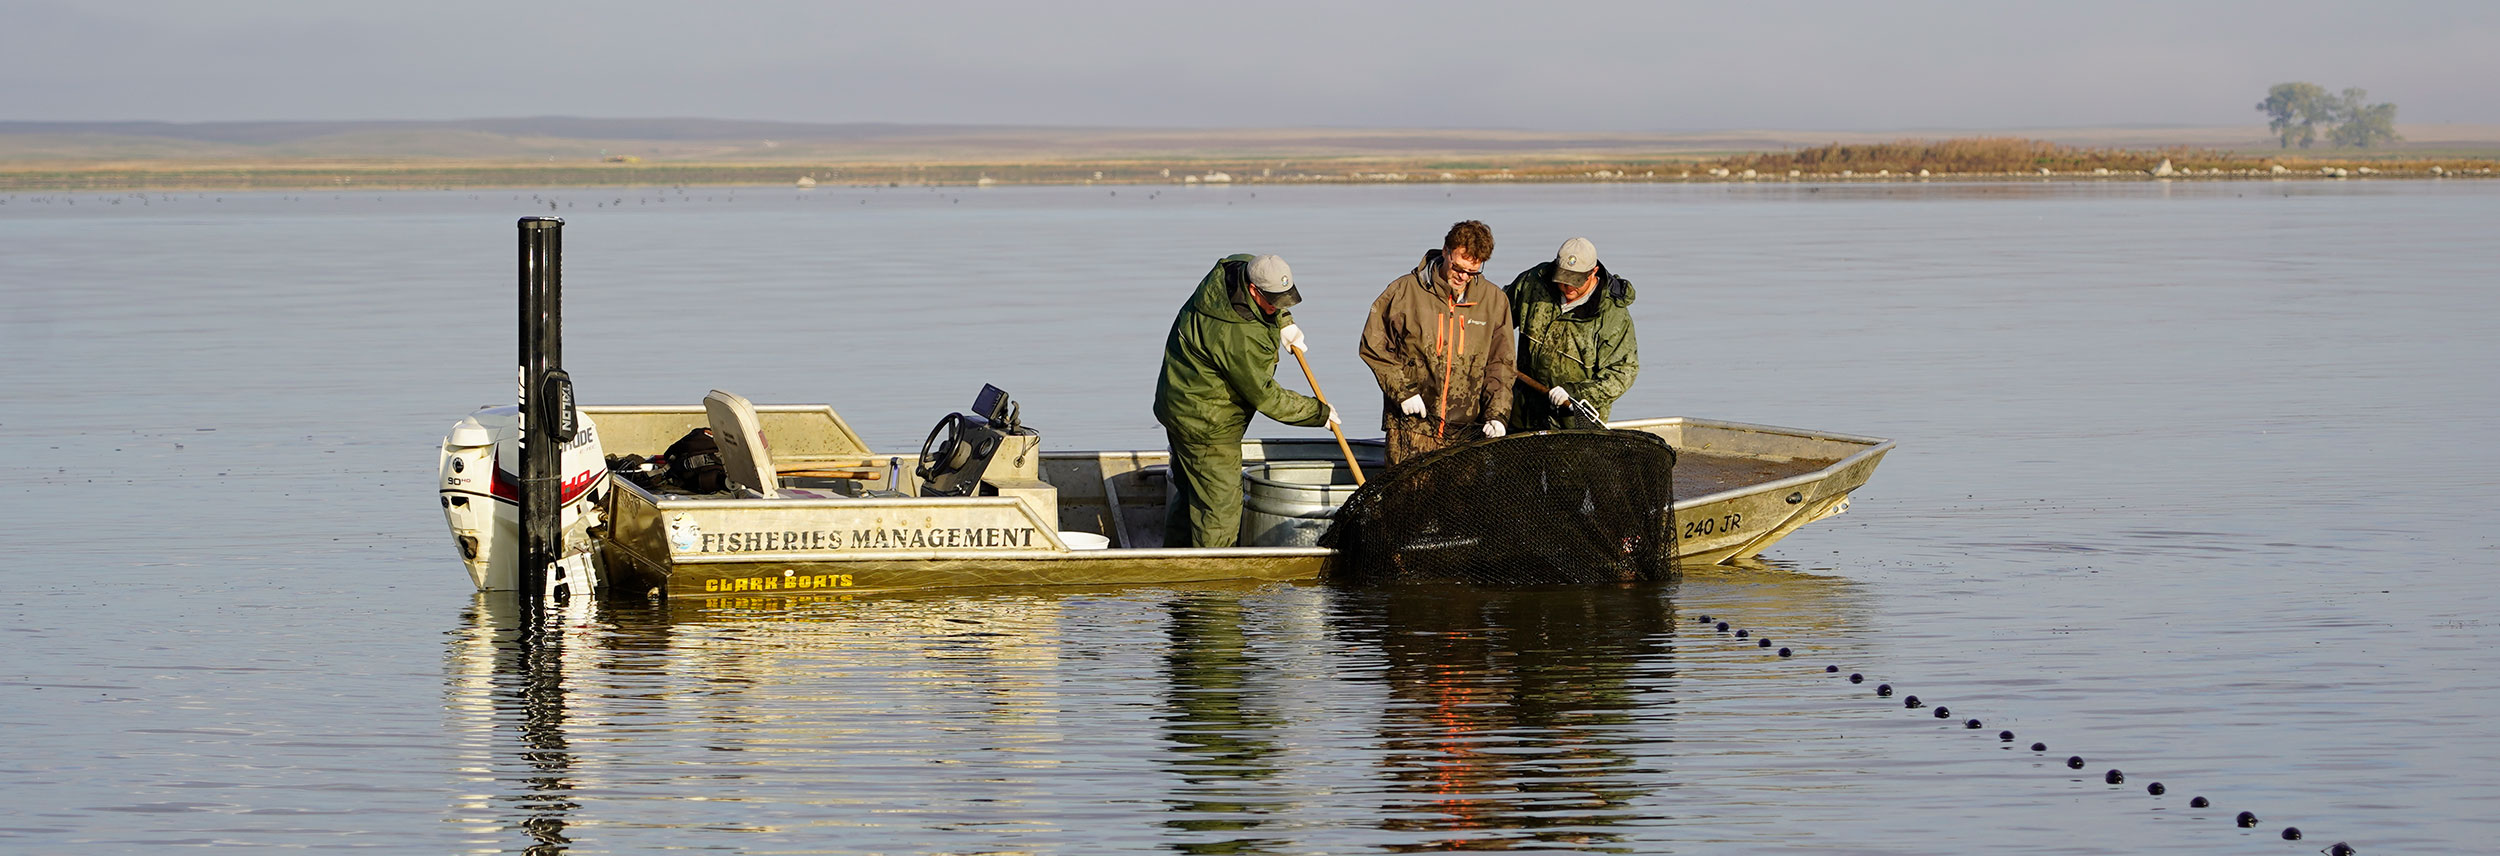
<point x="1333" y="428"/>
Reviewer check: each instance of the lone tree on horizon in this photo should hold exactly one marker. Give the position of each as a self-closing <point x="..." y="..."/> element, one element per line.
<point x="2295" y="110"/>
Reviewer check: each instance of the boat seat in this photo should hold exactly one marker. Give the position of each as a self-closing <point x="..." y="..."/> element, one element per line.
<point x="746" y="457"/>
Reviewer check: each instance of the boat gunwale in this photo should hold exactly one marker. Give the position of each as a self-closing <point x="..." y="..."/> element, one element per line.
<point x="1105" y="554"/>
<point x="1875" y="447"/>
<point x="1872" y="448"/>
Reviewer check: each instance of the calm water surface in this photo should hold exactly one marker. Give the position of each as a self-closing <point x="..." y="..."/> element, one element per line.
<point x="2187" y="486"/>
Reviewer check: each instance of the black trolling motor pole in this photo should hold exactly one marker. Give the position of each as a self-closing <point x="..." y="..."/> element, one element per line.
<point x="547" y="417"/>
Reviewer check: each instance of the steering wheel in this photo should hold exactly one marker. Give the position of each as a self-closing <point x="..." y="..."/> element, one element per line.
<point x="949" y="455"/>
<point x="942" y="458"/>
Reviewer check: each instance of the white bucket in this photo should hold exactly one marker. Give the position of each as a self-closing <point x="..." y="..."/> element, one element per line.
<point x="1084" y="541"/>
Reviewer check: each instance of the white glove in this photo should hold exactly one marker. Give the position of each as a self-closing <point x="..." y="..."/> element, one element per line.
<point x="1412" y="406"/>
<point x="1292" y="334"/>
<point x="1333" y="421"/>
<point x="1560" y="396"/>
<point x="1495" y="429"/>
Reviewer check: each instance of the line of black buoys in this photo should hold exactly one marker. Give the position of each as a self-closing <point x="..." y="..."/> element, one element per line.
<point x="2245" y="819"/>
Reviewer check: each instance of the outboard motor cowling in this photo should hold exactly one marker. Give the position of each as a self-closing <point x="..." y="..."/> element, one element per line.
<point x="481" y="493"/>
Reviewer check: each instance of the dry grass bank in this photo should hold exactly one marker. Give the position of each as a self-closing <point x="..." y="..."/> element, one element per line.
<point x="1962" y="158"/>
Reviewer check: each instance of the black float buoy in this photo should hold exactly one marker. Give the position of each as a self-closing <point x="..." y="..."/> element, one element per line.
<point x="1743" y="633"/>
<point x="1723" y="627"/>
<point x="1831" y="670"/>
<point x="2341" y="849"/>
<point x="2155" y="789"/>
<point x="1912" y="702"/>
<point x="2037" y="747"/>
<point x="1705" y="619"/>
<point x="2074" y="762"/>
<point x="1943" y="712"/>
<point x="2246" y="819"/>
<point x="1972" y="725"/>
<point x="2291" y="833"/>
<point x="1883" y="689"/>
<point x="1857" y="678"/>
<point x="1785" y="652"/>
<point x="1763" y="642"/>
<point x="2114" y="777"/>
<point x="2199" y="802"/>
<point x="2005" y="736"/>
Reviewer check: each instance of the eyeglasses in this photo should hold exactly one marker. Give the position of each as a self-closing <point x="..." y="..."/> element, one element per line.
<point x="1452" y="267"/>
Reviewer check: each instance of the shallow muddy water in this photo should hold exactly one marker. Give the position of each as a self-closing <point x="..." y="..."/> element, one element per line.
<point x="2186" y="487"/>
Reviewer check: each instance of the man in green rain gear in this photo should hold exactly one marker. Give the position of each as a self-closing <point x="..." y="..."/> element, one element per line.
<point x="1219" y="365"/>
<point x="1575" y="335"/>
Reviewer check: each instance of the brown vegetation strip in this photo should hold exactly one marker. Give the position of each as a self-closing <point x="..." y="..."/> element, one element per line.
<point x="1956" y="158"/>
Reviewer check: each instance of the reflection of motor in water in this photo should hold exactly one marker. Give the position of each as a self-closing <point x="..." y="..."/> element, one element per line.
<point x="1514" y="709"/>
<point x="513" y="692"/>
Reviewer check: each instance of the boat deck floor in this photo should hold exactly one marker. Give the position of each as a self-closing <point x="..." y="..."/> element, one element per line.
<point x="1699" y="473"/>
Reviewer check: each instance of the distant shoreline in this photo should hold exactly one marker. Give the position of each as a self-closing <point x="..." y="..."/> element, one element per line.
<point x="563" y="152"/>
<point x="25" y="178"/>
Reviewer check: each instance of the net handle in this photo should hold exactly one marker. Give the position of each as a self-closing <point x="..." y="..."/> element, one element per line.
<point x="1333" y="428"/>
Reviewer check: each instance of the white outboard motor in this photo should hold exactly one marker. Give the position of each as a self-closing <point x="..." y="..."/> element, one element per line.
<point x="482" y="497"/>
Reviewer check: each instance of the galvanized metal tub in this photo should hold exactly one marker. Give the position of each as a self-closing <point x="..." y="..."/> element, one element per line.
<point x="1290" y="503"/>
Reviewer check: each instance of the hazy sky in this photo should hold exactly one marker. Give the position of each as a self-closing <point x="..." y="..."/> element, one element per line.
<point x="1663" y="66"/>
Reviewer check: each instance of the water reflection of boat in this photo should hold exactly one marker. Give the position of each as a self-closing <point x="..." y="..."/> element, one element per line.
<point x="1517" y="718"/>
<point x="1220" y="717"/>
<point x="512" y="705"/>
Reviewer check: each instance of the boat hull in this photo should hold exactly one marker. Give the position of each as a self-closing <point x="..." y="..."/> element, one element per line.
<point x="1741" y="488"/>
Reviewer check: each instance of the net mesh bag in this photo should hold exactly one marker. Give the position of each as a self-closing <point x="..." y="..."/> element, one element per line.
<point x="1551" y="507"/>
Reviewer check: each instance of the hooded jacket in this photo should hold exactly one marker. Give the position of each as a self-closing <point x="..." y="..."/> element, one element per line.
<point x="1452" y="349"/>
<point x="1219" y="363"/>
<point x="1588" y="349"/>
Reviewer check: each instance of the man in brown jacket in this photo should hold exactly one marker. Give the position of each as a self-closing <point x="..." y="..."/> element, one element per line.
<point x="1439" y="341"/>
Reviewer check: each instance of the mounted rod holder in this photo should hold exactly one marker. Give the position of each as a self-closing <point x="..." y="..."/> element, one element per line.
<point x="546" y="413"/>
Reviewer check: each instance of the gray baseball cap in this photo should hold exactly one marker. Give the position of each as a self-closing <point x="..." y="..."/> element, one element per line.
<point x="1576" y="256"/>
<point x="1270" y="274"/>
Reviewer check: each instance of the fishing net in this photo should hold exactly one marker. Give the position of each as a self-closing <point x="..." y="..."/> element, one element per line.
<point x="1549" y="507"/>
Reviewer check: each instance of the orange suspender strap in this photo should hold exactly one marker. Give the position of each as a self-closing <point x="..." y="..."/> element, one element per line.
<point x="1449" y="362"/>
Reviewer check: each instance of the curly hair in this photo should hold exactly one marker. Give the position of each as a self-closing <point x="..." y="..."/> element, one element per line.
<point x="1471" y="235"/>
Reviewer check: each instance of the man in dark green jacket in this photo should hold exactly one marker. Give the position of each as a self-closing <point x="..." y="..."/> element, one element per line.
<point x="1575" y="334"/>
<point x="1219" y="365"/>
